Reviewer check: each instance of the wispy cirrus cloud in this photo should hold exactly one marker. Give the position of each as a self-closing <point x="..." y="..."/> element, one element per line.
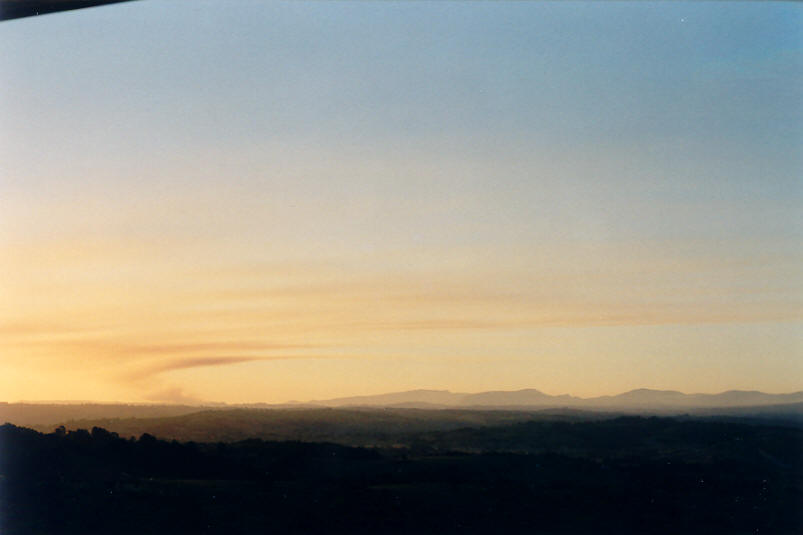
<point x="155" y="368"/>
<point x="113" y="347"/>
<point x="201" y="347"/>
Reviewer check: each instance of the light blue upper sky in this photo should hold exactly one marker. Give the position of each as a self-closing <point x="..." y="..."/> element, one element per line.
<point x="650" y="103"/>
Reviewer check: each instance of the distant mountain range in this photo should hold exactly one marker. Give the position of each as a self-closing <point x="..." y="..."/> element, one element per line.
<point x="641" y="399"/>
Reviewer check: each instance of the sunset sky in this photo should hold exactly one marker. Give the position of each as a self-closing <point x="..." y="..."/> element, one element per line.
<point x="264" y="201"/>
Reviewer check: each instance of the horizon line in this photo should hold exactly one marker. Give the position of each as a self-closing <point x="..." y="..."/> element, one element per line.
<point x="211" y="403"/>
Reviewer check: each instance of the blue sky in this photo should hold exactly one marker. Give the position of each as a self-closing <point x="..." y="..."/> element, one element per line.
<point x="607" y="160"/>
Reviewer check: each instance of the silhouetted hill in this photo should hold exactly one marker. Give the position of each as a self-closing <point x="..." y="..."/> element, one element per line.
<point x="660" y="399"/>
<point x="424" y="397"/>
<point x="48" y="414"/>
<point x="354" y="426"/>
<point x="638" y="401"/>
<point x="529" y="396"/>
<point x="627" y="475"/>
<point x="380" y="426"/>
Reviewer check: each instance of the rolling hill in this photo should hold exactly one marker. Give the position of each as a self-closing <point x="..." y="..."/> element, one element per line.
<point x="639" y="400"/>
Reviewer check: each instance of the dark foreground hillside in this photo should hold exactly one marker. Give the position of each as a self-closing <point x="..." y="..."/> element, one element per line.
<point x="625" y="475"/>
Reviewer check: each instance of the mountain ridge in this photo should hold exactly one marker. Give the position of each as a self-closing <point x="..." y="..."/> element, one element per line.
<point x="637" y="398"/>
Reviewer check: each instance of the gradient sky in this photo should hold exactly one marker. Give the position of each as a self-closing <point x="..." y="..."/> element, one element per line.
<point x="255" y="201"/>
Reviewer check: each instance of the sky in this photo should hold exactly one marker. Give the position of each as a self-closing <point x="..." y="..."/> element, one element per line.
<point x="256" y="201"/>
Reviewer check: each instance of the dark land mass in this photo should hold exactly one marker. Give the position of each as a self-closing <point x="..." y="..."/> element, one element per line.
<point x="49" y="415"/>
<point x="560" y="473"/>
<point x="416" y="410"/>
<point x="15" y="9"/>
<point x="349" y="426"/>
<point x="346" y="426"/>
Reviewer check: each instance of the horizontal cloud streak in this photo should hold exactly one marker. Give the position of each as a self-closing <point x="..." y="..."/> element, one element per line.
<point x="156" y="368"/>
<point x="169" y="349"/>
<point x="196" y="362"/>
